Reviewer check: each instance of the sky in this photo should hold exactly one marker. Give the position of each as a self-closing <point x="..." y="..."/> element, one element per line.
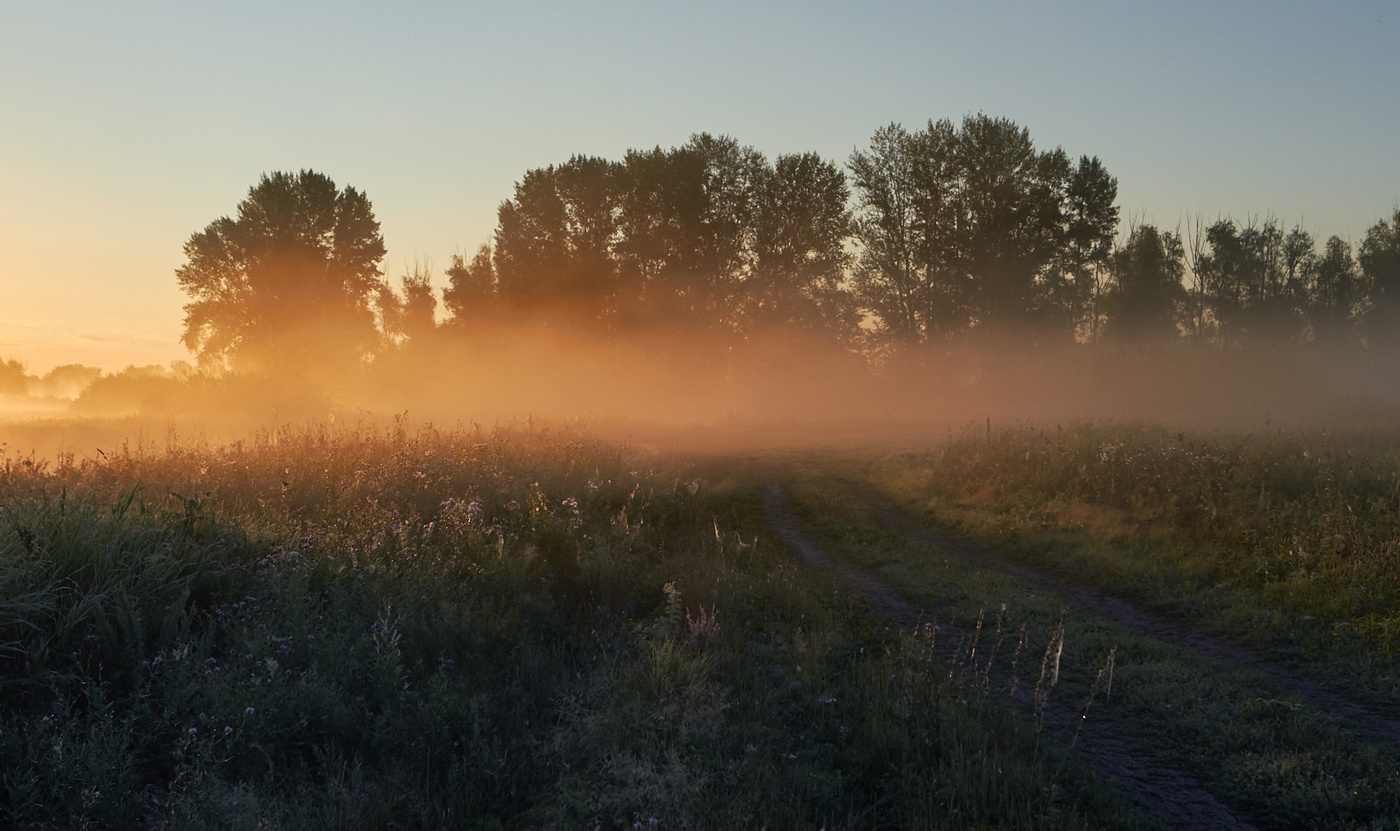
<point x="127" y="127"/>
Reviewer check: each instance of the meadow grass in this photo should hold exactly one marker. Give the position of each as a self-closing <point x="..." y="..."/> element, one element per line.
<point x="1285" y="543"/>
<point x="1290" y="540"/>
<point x="408" y="627"/>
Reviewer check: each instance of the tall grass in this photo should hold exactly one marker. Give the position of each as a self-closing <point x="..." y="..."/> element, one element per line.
<point x="1289" y="541"/>
<point x="419" y="628"/>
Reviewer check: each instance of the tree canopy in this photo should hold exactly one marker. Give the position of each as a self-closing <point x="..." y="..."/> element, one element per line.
<point x="709" y="235"/>
<point x="1379" y="258"/>
<point x="295" y="272"/>
<point x="931" y="236"/>
<point x="971" y="227"/>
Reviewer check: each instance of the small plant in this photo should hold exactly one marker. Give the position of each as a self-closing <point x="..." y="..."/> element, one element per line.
<point x="702" y="628"/>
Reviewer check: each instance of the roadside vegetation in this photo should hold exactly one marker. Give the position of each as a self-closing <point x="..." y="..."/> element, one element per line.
<point x="1290" y="540"/>
<point x="414" y="628"/>
<point x="1284" y="544"/>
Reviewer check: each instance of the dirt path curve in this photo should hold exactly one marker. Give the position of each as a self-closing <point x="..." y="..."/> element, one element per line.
<point x="1173" y="795"/>
<point x="1311" y="693"/>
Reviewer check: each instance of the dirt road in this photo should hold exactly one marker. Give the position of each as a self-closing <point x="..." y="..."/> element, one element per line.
<point x="1172" y="794"/>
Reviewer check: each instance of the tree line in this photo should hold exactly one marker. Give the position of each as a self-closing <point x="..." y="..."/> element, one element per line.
<point x="940" y="235"/>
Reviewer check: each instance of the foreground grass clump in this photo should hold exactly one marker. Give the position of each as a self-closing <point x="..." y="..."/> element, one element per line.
<point x="415" y="628"/>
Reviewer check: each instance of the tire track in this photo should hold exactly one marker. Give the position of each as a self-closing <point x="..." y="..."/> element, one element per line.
<point x="1171" y="794"/>
<point x="1376" y="725"/>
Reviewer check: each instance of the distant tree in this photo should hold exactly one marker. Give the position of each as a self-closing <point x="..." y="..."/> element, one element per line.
<point x="1252" y="280"/>
<point x="292" y="277"/>
<point x="1145" y="290"/>
<point x="1379" y="257"/>
<point x="737" y="185"/>
<point x="1090" y="216"/>
<point x="970" y="227"/>
<point x="892" y="277"/>
<point x="471" y="291"/>
<point x="66" y="381"/>
<point x="664" y="251"/>
<point x="1334" y="293"/>
<point x="14" y="379"/>
<point x="553" y="238"/>
<point x="1006" y="213"/>
<point x="409" y="315"/>
<point x="707" y="235"/>
<point x="800" y="227"/>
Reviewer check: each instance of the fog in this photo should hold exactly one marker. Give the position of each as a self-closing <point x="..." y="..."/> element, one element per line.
<point x="697" y="392"/>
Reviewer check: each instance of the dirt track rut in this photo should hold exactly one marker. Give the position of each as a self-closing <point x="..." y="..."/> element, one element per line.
<point x="1174" y="795"/>
<point x="1312" y="694"/>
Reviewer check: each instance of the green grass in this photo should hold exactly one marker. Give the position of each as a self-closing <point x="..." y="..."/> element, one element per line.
<point x="418" y="628"/>
<point x="1289" y="541"/>
<point x="1284" y="543"/>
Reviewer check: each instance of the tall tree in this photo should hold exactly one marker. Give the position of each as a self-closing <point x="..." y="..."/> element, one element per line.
<point x="471" y="291"/>
<point x="553" y="238"/>
<point x="1253" y="279"/>
<point x="708" y="235"/>
<point x="1379" y="256"/>
<point x="662" y="249"/>
<point x="1090" y="216"/>
<point x="1334" y="293"/>
<point x="1145" y="292"/>
<point x="1008" y="214"/>
<point x="890" y="272"/>
<point x="971" y="227"/>
<point x="800" y="228"/>
<point x="734" y="177"/>
<point x="293" y="275"/>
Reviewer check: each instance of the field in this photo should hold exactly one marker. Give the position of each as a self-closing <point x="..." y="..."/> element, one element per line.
<point x="404" y="627"/>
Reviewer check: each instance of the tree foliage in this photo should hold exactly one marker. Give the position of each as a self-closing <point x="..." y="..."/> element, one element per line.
<point x="1379" y="257"/>
<point x="409" y="314"/>
<point x="971" y="227"/>
<point x="296" y="271"/>
<point x="470" y="295"/>
<point x="1145" y="291"/>
<point x="940" y="234"/>
<point x="1335" y="292"/>
<point x="708" y="235"/>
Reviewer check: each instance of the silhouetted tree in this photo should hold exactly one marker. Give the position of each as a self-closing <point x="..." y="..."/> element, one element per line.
<point x="14" y="380"/>
<point x="703" y="236"/>
<point x="1145" y="291"/>
<point x="1334" y="293"/>
<point x="471" y="292"/>
<point x="664" y="250"/>
<point x="971" y="227"/>
<point x="553" y="239"/>
<point x="734" y="180"/>
<point x="799" y="258"/>
<point x="409" y="315"/>
<point x="292" y="277"/>
<point x="1379" y="257"/>
<point x="891" y="275"/>
<point x="1090" y="216"/>
<point x="1252" y="281"/>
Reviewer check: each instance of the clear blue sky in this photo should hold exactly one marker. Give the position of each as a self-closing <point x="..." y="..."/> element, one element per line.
<point x="125" y="127"/>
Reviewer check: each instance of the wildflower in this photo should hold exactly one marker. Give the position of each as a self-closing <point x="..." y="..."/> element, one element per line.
<point x="248" y="712"/>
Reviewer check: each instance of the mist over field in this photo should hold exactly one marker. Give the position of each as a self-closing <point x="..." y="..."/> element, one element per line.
<point x="692" y="395"/>
<point x="707" y="296"/>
